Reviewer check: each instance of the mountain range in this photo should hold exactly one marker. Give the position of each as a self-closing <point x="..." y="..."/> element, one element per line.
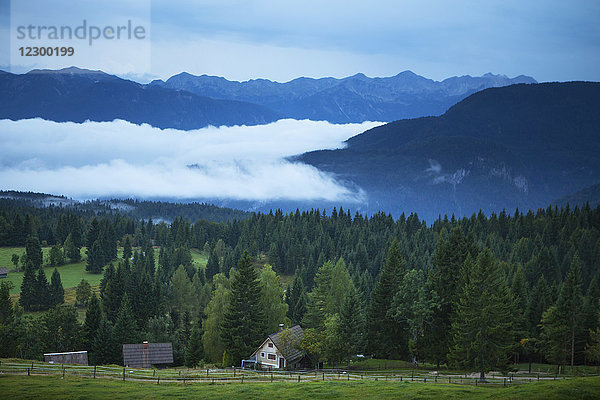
<point x="520" y="146"/>
<point x="355" y="98"/>
<point x="187" y="102"/>
<point x="77" y="95"/>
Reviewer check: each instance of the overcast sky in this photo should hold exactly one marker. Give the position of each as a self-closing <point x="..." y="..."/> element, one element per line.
<point x="280" y="40"/>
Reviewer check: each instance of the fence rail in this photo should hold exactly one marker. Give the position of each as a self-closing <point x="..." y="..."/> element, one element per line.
<point x="239" y="375"/>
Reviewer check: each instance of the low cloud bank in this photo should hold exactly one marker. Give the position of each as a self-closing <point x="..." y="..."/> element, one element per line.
<point x="118" y="158"/>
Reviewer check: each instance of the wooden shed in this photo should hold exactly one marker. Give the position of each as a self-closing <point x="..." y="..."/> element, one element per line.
<point x="70" y="357"/>
<point x="3" y="272"/>
<point x="145" y="355"/>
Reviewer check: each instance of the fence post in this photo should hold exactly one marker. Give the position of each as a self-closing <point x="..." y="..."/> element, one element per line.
<point x="323" y="375"/>
<point x="449" y="380"/>
<point x="27" y="371"/>
<point x="158" y="380"/>
<point x="400" y="378"/>
<point x="271" y="376"/>
<point x="348" y="376"/>
<point x="207" y="372"/>
<point x="123" y="373"/>
<point x="32" y="365"/>
<point x="94" y="372"/>
<point x="234" y="372"/>
<point x="504" y="382"/>
<point x="242" y="378"/>
<point x="63" y="371"/>
<point x="436" y="379"/>
<point x="424" y="380"/>
<point x="298" y="378"/>
<point x="476" y="380"/>
<point x="413" y="375"/>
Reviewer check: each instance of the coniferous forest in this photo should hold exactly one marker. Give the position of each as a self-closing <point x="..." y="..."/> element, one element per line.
<point x="478" y="293"/>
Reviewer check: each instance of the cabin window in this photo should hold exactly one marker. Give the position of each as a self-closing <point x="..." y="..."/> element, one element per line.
<point x="262" y="355"/>
<point x="270" y="344"/>
<point x="271" y="356"/>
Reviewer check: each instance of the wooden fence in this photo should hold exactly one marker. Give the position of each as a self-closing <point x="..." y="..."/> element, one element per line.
<point x="238" y="375"/>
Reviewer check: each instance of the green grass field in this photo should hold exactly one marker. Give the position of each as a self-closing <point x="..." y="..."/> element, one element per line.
<point x="71" y="274"/>
<point x="54" y="387"/>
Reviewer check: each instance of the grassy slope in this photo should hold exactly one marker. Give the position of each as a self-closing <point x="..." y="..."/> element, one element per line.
<point x="71" y="274"/>
<point x="53" y="387"/>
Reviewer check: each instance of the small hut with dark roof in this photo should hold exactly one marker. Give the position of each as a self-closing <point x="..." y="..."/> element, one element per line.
<point x="3" y="272"/>
<point x="281" y="350"/>
<point x="145" y="355"/>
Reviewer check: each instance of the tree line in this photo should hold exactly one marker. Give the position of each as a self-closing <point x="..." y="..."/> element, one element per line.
<point x="478" y="292"/>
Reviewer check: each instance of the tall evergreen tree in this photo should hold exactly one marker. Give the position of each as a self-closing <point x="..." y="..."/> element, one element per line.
<point x="382" y="331"/>
<point x="72" y="251"/>
<point x="93" y="316"/>
<point x="212" y="265"/>
<point x="42" y="291"/>
<point x="127" y="247"/>
<point x="6" y="306"/>
<point x="482" y="330"/>
<point x="33" y="252"/>
<point x="195" y="348"/>
<point x="95" y="261"/>
<point x="125" y="329"/>
<point x="450" y="254"/>
<point x="352" y="325"/>
<point x="244" y="325"/>
<point x="560" y="324"/>
<point x="57" y="293"/>
<point x="104" y="348"/>
<point x="28" y="297"/>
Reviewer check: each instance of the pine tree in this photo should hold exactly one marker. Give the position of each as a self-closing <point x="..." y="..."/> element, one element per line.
<point x="42" y="291"/>
<point x="244" y="325"/>
<point x="6" y="306"/>
<point x="28" y="298"/>
<point x="383" y="335"/>
<point x="71" y="250"/>
<point x="57" y="293"/>
<point x="104" y="348"/>
<point x="212" y="266"/>
<point x="93" y="316"/>
<point x="482" y="330"/>
<point x="450" y="254"/>
<point x="195" y="348"/>
<point x="33" y="252"/>
<point x="125" y="329"/>
<point x="95" y="261"/>
<point x="560" y="324"/>
<point x="127" y="248"/>
<point x="352" y="325"/>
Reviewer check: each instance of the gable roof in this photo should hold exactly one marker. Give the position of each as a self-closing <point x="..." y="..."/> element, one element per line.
<point x="288" y="347"/>
<point x="157" y="353"/>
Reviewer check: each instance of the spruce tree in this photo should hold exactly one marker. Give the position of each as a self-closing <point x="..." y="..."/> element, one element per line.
<point x="57" y="293"/>
<point x="42" y="291"/>
<point x="195" y="348"/>
<point x="482" y="329"/>
<point x="127" y="248"/>
<point x="244" y="321"/>
<point x="352" y="325"/>
<point x="72" y="251"/>
<point x="560" y="324"/>
<point x="33" y="252"/>
<point x="104" y="348"/>
<point x="93" y="316"/>
<point x="95" y="261"/>
<point x="28" y="298"/>
<point x="212" y="266"/>
<point x="6" y="306"/>
<point x="382" y="331"/>
<point x="125" y="329"/>
<point x="450" y="254"/>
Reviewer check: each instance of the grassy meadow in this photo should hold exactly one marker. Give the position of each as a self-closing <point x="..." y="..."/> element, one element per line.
<point x="55" y="387"/>
<point x="71" y="274"/>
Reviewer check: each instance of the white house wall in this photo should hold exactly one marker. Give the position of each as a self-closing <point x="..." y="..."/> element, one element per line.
<point x="266" y="350"/>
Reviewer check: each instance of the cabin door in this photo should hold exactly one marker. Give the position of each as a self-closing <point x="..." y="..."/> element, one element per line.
<point x="281" y="362"/>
